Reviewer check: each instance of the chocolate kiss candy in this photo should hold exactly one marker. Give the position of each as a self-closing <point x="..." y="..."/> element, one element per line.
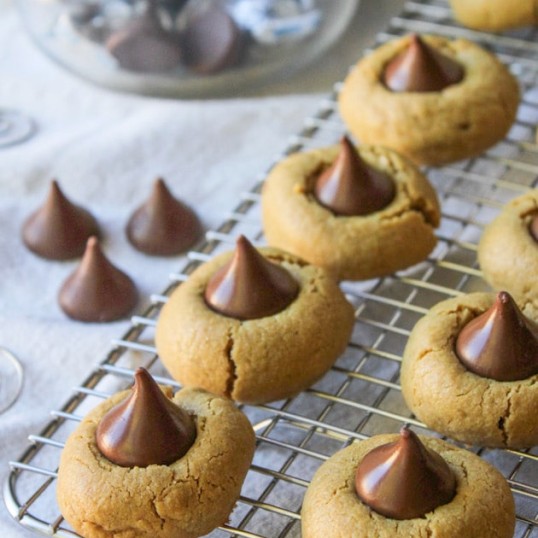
<point x="404" y="479"/>
<point x="250" y="286"/>
<point x="421" y="68"/>
<point x="144" y="45"/>
<point x="59" y="229"/>
<point x="350" y="187"/>
<point x="146" y="428"/>
<point x="163" y="226"/>
<point x="211" y="41"/>
<point x="501" y="343"/>
<point x="533" y="228"/>
<point x="97" y="290"/>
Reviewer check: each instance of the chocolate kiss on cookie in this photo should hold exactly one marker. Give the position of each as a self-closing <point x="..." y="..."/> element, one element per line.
<point x="533" y="228"/>
<point x="146" y="428"/>
<point x="250" y="286"/>
<point x="211" y="41"/>
<point x="349" y="187"/>
<point x="163" y="226"/>
<point x="404" y="479"/>
<point x="97" y="290"/>
<point x="144" y="45"/>
<point x="59" y="229"/>
<point x="501" y="343"/>
<point x="421" y="68"/>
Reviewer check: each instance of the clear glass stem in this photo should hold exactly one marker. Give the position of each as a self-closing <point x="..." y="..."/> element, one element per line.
<point x="11" y="379"/>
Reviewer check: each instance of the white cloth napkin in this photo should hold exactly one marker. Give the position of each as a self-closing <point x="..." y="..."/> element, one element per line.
<point x="106" y="149"/>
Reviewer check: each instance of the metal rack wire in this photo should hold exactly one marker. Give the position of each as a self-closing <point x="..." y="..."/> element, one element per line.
<point x="360" y="396"/>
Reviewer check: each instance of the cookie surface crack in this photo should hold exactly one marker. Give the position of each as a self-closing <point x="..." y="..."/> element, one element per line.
<point x="313" y="286"/>
<point x="419" y="204"/>
<point x="155" y="512"/>
<point x="232" y="374"/>
<point x="282" y="258"/>
<point x="427" y="528"/>
<point x="506" y="416"/>
<point x="501" y="423"/>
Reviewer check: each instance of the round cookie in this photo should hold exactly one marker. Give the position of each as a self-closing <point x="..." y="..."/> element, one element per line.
<point x="453" y="400"/>
<point x="433" y="127"/>
<point x="185" y="499"/>
<point x="507" y="252"/>
<point x="482" y="508"/>
<point x="255" y="360"/>
<point x="350" y="247"/>
<point x="493" y="15"/>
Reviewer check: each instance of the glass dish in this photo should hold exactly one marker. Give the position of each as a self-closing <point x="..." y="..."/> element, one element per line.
<point x="185" y="48"/>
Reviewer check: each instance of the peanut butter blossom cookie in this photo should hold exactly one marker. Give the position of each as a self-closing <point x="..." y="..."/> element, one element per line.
<point x="495" y="15"/>
<point x="358" y="212"/>
<point x="508" y="248"/>
<point x="405" y="485"/>
<point x="432" y="99"/>
<point x="254" y="325"/>
<point x="144" y="465"/>
<point x="470" y="370"/>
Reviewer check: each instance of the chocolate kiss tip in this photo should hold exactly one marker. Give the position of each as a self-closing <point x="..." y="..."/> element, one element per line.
<point x="163" y="225"/>
<point x="501" y="343"/>
<point x="97" y="291"/>
<point x="421" y="68"/>
<point x="250" y="286"/>
<point x="58" y="230"/>
<point x="349" y="187"/>
<point x="404" y="479"/>
<point x="146" y="428"/>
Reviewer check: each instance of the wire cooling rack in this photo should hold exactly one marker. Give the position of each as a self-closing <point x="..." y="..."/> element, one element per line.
<point x="360" y="396"/>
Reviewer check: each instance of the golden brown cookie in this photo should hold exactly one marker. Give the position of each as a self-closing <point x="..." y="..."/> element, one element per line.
<point x="493" y="15"/>
<point x="433" y="127"/>
<point x="482" y="508"/>
<point x="350" y="247"/>
<point x="507" y="252"/>
<point x="255" y="360"/>
<point x="185" y="499"/>
<point x="456" y="402"/>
